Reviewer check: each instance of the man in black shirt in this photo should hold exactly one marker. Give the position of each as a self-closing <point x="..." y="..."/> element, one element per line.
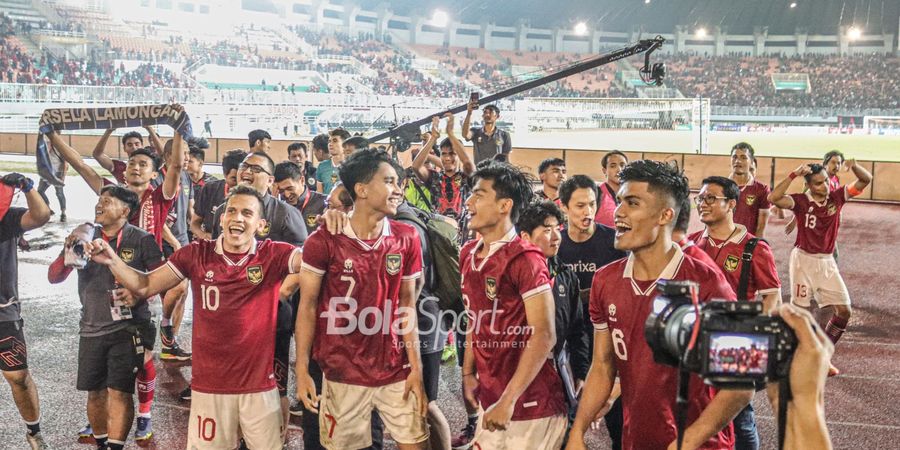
<point x="488" y="142"/>
<point x="539" y="224"/>
<point x="553" y="173"/>
<point x="14" y="363"/>
<point x="292" y="189"/>
<point x="586" y="247"/>
<point x="299" y="155"/>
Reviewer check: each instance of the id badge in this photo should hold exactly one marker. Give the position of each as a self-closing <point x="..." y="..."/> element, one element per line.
<point x="120" y="311"/>
<point x="138" y="344"/>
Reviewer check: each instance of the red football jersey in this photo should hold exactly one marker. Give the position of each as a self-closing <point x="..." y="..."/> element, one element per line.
<point x="763" y="274"/>
<point x="494" y="290"/>
<point x="606" y="206"/>
<point x="621" y="305"/>
<point x="118" y="170"/>
<point x="754" y="197"/>
<point x="689" y="247"/>
<point x="818" y="223"/>
<point x="152" y="212"/>
<point x="357" y="340"/>
<point x="235" y="304"/>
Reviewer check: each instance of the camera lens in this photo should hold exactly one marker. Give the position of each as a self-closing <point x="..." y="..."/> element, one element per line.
<point x="78" y="249"/>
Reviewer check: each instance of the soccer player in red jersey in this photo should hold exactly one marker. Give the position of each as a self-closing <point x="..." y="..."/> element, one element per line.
<point x="508" y="364"/>
<point x="235" y="282"/>
<point x="752" y="210"/>
<point x="725" y="242"/>
<point x="621" y="299"/>
<point x="357" y="314"/>
<point x="552" y="172"/>
<point x="813" y="270"/>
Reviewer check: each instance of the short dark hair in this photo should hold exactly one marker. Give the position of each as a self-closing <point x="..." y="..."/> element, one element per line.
<point x="343" y="134"/>
<point x="445" y="143"/>
<point x="197" y="154"/>
<point x="128" y="197"/>
<point x="287" y="169"/>
<point x="360" y="167"/>
<point x="536" y="214"/>
<point x="148" y="152"/>
<point x="132" y="134"/>
<point x="746" y="147"/>
<point x="198" y="142"/>
<point x="572" y="184"/>
<point x="357" y="142"/>
<point x="320" y="142"/>
<point x="729" y="187"/>
<point x="344" y="197"/>
<point x="258" y="135"/>
<point x="606" y="157"/>
<point x="832" y="154"/>
<point x="493" y="107"/>
<point x="270" y="163"/>
<point x="247" y="190"/>
<point x="550" y="162"/>
<point x="815" y="168"/>
<point x="233" y="160"/>
<point x="296" y="146"/>
<point x="661" y="177"/>
<point x="508" y="182"/>
<point x="684" y="216"/>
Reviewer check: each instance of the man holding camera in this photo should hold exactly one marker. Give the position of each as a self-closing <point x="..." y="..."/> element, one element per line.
<point x="116" y="340"/>
<point x="488" y="142"/>
<point x="622" y="297"/>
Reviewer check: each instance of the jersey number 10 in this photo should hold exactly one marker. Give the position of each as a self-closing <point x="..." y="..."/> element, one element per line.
<point x="210" y="295"/>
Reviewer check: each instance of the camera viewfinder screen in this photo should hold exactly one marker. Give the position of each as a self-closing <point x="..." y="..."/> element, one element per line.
<point x="738" y="354"/>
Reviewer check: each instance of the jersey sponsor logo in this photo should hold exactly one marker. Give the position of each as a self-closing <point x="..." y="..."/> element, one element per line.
<point x="264" y="231"/>
<point x="731" y="263"/>
<point x="750" y="199"/>
<point x="310" y="220"/>
<point x="490" y="287"/>
<point x="392" y="263"/>
<point x="311" y="181"/>
<point x="583" y="266"/>
<point x="562" y="289"/>
<point x="612" y="309"/>
<point x="348" y="265"/>
<point x="209" y="275"/>
<point x="127" y="254"/>
<point x="255" y="274"/>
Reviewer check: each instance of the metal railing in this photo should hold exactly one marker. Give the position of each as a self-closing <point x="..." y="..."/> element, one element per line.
<point x="774" y="111"/>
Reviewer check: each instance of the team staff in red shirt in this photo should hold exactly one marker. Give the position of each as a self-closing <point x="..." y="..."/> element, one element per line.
<point x="622" y="295"/>
<point x="752" y="209"/>
<point x="235" y="282"/>
<point x="813" y="270"/>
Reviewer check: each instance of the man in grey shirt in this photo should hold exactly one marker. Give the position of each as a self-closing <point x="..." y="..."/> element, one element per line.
<point x="488" y="142"/>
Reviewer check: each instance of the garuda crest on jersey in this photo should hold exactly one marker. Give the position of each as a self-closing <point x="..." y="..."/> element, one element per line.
<point x="127" y="254"/>
<point x="490" y="287"/>
<point x="750" y="199"/>
<point x="731" y="263"/>
<point x="255" y="274"/>
<point x="264" y="231"/>
<point x="392" y="263"/>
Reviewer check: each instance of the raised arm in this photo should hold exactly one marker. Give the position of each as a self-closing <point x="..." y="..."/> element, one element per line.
<point x="467" y="122"/>
<point x="468" y="167"/>
<point x="539" y="314"/>
<point x="174" y="167"/>
<point x="38" y="212"/>
<point x="99" y="153"/>
<point x="155" y="142"/>
<point x="863" y="177"/>
<point x="141" y="284"/>
<point x="418" y="164"/>
<point x="69" y="155"/>
<point x="779" y="196"/>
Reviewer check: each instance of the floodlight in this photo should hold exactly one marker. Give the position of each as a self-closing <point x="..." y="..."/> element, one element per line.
<point x="440" y="18"/>
<point x="701" y="32"/>
<point x="854" y="33"/>
<point x="581" y="28"/>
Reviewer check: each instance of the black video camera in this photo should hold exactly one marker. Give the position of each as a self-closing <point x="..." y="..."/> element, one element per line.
<point x="736" y="345"/>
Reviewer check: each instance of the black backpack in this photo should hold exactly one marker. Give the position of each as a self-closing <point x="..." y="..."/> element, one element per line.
<point x="445" y="281"/>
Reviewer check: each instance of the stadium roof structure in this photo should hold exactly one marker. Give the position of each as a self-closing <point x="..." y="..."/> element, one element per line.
<point x="736" y="16"/>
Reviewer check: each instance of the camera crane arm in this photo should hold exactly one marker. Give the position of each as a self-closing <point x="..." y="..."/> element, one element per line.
<point x="409" y="132"/>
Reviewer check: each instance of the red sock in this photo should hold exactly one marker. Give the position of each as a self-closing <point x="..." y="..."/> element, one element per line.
<point x="835" y="328"/>
<point x="146" y="386"/>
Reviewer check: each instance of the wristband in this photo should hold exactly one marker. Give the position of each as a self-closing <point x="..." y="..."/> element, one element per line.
<point x="28" y="186"/>
<point x="792" y="175"/>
